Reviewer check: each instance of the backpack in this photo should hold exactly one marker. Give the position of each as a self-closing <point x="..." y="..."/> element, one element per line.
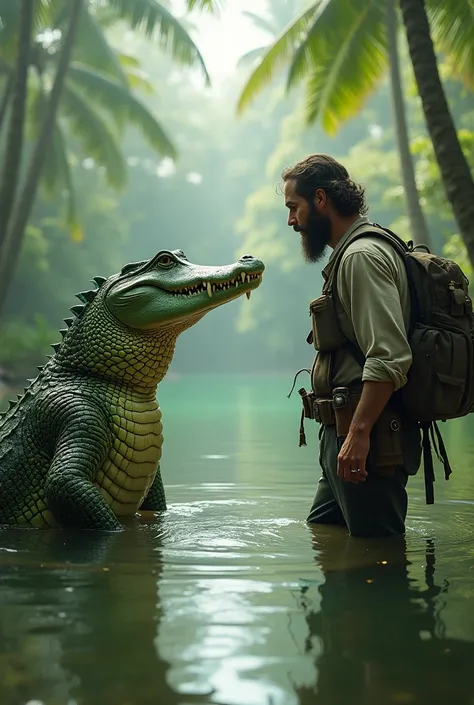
<point x="440" y="381"/>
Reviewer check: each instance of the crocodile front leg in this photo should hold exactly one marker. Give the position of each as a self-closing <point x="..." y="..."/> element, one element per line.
<point x="155" y="501"/>
<point x="82" y="446"/>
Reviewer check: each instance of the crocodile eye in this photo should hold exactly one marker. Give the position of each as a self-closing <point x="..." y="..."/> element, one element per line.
<point x="166" y="261"/>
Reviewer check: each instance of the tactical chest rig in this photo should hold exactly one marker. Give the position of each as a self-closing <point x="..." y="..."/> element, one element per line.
<point x="440" y="382"/>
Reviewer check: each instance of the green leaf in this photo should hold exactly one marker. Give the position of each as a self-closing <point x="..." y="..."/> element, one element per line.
<point x="127" y="60"/>
<point x="156" y="21"/>
<point x="122" y="104"/>
<point x="45" y="10"/>
<point x="92" y="130"/>
<point x="137" y="79"/>
<point x="44" y="14"/>
<point x="209" y="5"/>
<point x="344" y="59"/>
<point x="63" y="172"/>
<point x="314" y="42"/>
<point x="250" y="56"/>
<point x="56" y="175"/>
<point x="277" y="56"/>
<point x="93" y="49"/>
<point x="452" y="29"/>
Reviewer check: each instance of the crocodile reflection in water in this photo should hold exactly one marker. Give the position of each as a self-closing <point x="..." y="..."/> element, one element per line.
<point x="78" y="623"/>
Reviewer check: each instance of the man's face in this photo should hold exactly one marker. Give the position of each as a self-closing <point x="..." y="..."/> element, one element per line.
<point x="306" y="218"/>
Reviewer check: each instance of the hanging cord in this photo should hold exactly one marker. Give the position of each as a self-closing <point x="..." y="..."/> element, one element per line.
<point x="303" y="369"/>
<point x="302" y="438"/>
<point x="428" y="465"/>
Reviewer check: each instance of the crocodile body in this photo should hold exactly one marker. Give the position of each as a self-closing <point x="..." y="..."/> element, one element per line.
<point x="82" y="446"/>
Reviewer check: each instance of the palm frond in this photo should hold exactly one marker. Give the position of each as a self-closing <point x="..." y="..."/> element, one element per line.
<point x="122" y="104"/>
<point x="259" y="22"/>
<point x="63" y="174"/>
<point x="209" y="5"/>
<point x="157" y="22"/>
<point x="127" y="59"/>
<point x="277" y="55"/>
<point x="250" y="56"/>
<point x="344" y="61"/>
<point x="452" y="29"/>
<point x="315" y="41"/>
<point x="93" y="49"/>
<point x="46" y="11"/>
<point x="138" y="79"/>
<point x="56" y="175"/>
<point x="92" y="131"/>
<point x="136" y="76"/>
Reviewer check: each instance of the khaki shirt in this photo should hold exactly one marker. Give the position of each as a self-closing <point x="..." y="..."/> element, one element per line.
<point x="373" y="290"/>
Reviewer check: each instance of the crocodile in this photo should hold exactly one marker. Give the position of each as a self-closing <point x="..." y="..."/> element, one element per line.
<point x="81" y="447"/>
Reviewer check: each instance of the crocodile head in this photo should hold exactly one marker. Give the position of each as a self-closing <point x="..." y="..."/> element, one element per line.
<point x="169" y="291"/>
<point x="127" y="328"/>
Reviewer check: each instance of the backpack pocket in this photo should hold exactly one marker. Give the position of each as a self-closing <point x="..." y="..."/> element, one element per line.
<point x="439" y="374"/>
<point x="327" y="335"/>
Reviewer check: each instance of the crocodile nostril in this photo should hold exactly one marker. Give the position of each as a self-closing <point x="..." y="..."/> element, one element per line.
<point x="246" y="258"/>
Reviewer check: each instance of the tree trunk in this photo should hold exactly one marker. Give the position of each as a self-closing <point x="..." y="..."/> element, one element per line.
<point x="6" y="97"/>
<point x="455" y="173"/>
<point x="11" y="247"/>
<point x="418" y="226"/>
<point x="14" y="139"/>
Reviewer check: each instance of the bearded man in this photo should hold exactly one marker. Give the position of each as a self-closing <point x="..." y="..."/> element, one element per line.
<point x="367" y="448"/>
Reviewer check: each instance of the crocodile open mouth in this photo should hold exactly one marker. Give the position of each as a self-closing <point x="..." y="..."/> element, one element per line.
<point x="211" y="287"/>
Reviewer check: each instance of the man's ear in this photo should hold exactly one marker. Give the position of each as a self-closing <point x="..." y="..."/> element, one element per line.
<point x="320" y="197"/>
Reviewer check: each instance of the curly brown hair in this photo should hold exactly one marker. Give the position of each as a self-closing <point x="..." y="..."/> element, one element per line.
<point x="323" y="171"/>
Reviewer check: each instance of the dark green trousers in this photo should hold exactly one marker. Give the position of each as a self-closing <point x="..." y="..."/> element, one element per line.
<point x="374" y="508"/>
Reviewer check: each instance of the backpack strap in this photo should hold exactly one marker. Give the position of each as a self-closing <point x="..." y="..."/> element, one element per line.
<point x="431" y="436"/>
<point x="365" y="230"/>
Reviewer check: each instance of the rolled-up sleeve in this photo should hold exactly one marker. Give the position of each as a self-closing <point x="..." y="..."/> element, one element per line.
<point x="369" y="294"/>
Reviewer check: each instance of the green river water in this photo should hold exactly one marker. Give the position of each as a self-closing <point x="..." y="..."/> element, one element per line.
<point x="231" y="598"/>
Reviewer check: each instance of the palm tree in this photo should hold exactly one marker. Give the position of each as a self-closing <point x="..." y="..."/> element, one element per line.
<point x="16" y="84"/>
<point x="13" y="236"/>
<point x="455" y="172"/>
<point x="418" y="225"/>
<point x="341" y="50"/>
<point x="146" y="15"/>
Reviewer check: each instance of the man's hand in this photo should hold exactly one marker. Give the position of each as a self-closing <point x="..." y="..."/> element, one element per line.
<point x="353" y="457"/>
<point x="355" y="449"/>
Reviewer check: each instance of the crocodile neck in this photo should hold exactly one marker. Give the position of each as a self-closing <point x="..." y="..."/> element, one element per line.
<point x="100" y="347"/>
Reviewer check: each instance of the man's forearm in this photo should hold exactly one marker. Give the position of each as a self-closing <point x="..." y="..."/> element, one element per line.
<point x="373" y="400"/>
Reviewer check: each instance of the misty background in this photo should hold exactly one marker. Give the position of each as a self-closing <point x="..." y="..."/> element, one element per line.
<point x="218" y="199"/>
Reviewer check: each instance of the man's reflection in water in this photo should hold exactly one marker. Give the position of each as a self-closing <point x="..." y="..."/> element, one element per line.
<point x="377" y="638"/>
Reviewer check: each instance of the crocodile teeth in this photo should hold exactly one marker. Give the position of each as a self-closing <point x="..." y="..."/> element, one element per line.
<point x="209" y="289"/>
<point x="243" y="276"/>
<point x="247" y="294"/>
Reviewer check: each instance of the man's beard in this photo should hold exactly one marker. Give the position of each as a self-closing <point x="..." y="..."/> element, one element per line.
<point x="315" y="236"/>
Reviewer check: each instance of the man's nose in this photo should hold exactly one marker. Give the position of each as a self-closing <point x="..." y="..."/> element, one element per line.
<point x="292" y="221"/>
